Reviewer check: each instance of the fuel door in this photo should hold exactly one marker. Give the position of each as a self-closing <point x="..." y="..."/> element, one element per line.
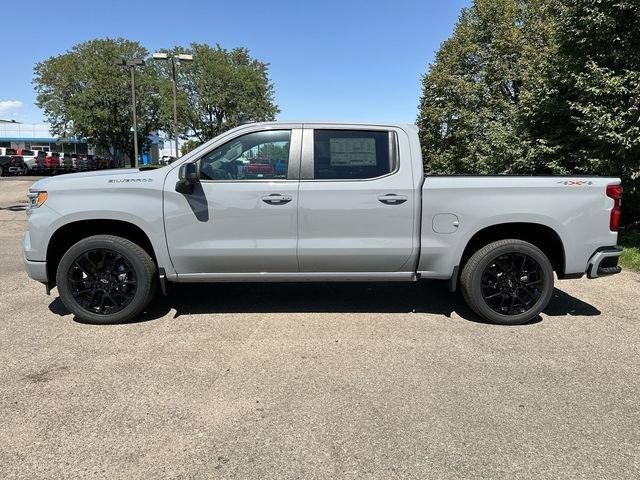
<point x="445" y="223"/>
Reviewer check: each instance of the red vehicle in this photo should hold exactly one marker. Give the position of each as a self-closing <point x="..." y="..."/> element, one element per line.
<point x="104" y="163"/>
<point x="52" y="162"/>
<point x="259" y="169"/>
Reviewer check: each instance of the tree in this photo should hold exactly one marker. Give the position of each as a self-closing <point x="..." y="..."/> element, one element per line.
<point x="540" y="87"/>
<point x="83" y="93"/>
<point x="474" y="90"/>
<point x="189" y="145"/>
<point x="586" y="107"/>
<point x="217" y="91"/>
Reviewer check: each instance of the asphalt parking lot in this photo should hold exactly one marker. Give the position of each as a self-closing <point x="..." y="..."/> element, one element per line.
<point x="316" y="381"/>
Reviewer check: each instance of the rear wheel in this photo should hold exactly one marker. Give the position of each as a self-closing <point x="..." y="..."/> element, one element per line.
<point x="106" y="279"/>
<point x="508" y="282"/>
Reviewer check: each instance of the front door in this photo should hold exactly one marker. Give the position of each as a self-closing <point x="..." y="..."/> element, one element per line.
<point x="357" y="202"/>
<point x="242" y="216"/>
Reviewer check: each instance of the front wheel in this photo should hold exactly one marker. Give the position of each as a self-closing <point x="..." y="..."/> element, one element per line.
<point x="106" y="279"/>
<point x="508" y="282"/>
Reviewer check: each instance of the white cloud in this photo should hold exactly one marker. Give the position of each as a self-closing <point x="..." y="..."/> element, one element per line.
<point x="8" y="107"/>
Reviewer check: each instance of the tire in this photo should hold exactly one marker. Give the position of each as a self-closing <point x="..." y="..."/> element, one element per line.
<point x="124" y="280"/>
<point x="508" y="282"/>
<point x="1" y="171"/>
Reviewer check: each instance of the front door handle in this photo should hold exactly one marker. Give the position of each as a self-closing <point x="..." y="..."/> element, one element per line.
<point x="276" y="199"/>
<point x="392" y="199"/>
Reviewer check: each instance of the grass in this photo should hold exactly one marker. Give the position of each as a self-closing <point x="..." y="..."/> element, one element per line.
<point x="630" y="257"/>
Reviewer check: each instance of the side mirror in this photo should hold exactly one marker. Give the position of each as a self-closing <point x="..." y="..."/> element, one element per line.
<point x="187" y="178"/>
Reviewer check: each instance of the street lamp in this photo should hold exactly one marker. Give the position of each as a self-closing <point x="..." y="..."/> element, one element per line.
<point x="132" y="64"/>
<point x="182" y="57"/>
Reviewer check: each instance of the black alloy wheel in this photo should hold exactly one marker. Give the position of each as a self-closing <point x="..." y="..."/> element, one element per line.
<point x="106" y="279"/>
<point x="512" y="283"/>
<point x="508" y="282"/>
<point x="102" y="281"/>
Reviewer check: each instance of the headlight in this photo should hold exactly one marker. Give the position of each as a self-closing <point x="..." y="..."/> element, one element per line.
<point x="36" y="199"/>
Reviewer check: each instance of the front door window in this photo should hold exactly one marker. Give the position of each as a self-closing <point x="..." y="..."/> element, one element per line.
<point x="255" y="156"/>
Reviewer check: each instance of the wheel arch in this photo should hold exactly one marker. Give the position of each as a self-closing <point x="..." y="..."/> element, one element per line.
<point x="70" y="233"/>
<point x="542" y="236"/>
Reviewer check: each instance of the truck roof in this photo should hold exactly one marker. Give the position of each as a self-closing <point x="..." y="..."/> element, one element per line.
<point x="337" y="122"/>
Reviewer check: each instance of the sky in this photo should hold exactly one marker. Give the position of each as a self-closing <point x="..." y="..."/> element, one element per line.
<point x="329" y="60"/>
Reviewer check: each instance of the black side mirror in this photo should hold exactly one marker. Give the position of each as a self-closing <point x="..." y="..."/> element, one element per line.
<point x="187" y="178"/>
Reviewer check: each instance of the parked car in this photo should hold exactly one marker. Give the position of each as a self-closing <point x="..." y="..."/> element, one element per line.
<point x="258" y="169"/>
<point x="66" y="162"/>
<point x="355" y="206"/>
<point x="51" y="163"/>
<point x="11" y="162"/>
<point x="81" y="162"/>
<point x="104" y="163"/>
<point x="115" y="163"/>
<point x="33" y="159"/>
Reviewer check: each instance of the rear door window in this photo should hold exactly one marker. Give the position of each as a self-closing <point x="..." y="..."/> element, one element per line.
<point x="351" y="154"/>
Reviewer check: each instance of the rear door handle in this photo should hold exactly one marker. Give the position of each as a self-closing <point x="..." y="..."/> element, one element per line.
<point x="392" y="199"/>
<point x="276" y="199"/>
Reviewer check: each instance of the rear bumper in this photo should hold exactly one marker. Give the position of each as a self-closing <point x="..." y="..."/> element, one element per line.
<point x="604" y="262"/>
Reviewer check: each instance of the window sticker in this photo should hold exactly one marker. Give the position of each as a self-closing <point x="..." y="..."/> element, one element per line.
<point x="353" y="152"/>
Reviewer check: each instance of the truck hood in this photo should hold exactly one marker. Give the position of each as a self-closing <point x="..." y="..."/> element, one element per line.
<point x="63" y="180"/>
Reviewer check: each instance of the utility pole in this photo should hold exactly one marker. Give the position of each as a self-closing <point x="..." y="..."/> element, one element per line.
<point x="175" y="104"/>
<point x="135" y="120"/>
<point x="132" y="64"/>
<point x="182" y="57"/>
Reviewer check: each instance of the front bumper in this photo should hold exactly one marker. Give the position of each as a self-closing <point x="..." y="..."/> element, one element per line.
<point x="36" y="270"/>
<point x="604" y="262"/>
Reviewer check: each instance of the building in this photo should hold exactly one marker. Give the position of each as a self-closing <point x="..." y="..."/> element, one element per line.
<point x="38" y="136"/>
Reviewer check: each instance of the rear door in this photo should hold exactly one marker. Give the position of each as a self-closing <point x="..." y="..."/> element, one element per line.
<point x="357" y="206"/>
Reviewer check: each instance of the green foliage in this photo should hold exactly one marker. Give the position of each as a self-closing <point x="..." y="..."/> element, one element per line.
<point x="218" y="90"/>
<point x="189" y="145"/>
<point x="473" y="92"/>
<point x="630" y="257"/>
<point x="540" y="87"/>
<point x="84" y="93"/>
<point x="588" y="102"/>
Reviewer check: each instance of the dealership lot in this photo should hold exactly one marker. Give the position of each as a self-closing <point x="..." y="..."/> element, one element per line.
<point x="316" y="381"/>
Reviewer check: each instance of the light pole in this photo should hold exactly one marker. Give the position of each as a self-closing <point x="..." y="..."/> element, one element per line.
<point x="182" y="57"/>
<point x="132" y="64"/>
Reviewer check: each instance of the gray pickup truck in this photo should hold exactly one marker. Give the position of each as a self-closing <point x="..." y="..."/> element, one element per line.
<point x="305" y="202"/>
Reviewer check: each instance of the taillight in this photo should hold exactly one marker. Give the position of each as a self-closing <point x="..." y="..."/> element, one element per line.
<point x="615" y="192"/>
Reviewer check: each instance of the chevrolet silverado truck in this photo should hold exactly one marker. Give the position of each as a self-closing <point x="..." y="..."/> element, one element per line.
<point x="352" y="203"/>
